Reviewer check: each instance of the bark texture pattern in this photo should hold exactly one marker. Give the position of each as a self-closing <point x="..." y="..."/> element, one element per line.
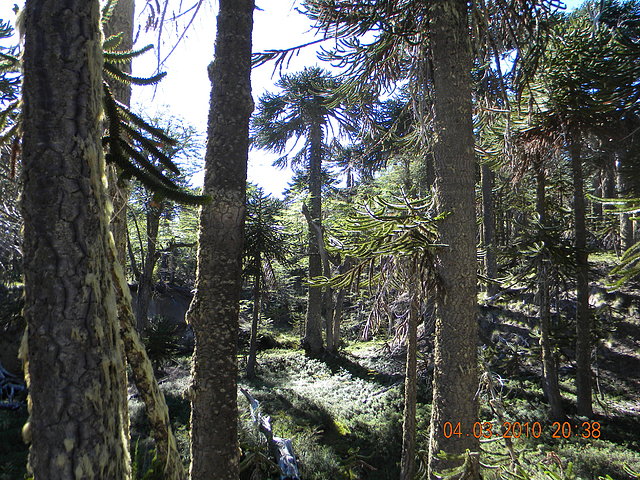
<point x="313" y="321"/>
<point x="75" y="354"/>
<point x="455" y="356"/>
<point x="408" y="460"/>
<point x="215" y="308"/>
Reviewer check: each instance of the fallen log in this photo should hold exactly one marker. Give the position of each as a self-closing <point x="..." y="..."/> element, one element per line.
<point x="281" y="448"/>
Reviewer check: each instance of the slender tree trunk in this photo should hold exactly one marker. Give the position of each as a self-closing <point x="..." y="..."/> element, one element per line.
<point x="489" y="228"/>
<point x="626" y="225"/>
<point x="583" y="314"/>
<point x="549" y="371"/>
<point x="408" y="461"/>
<point x="455" y="354"/>
<point x="336" y="319"/>
<point x="328" y="311"/>
<point x="328" y="303"/>
<point x="121" y="22"/>
<point x="145" y="282"/>
<point x="215" y="307"/>
<point x="313" y="322"/>
<point x="73" y="348"/>
<point x="609" y="178"/>
<point x="253" y="341"/>
<point x="145" y="380"/>
<point x="597" y="191"/>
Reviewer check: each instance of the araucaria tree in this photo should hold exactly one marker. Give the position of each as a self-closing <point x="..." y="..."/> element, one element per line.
<point x="264" y="243"/>
<point x="73" y="351"/>
<point x="589" y="76"/>
<point x="215" y="308"/>
<point x="455" y="373"/>
<point x="407" y="42"/>
<point x="392" y="57"/>
<point x="303" y="109"/>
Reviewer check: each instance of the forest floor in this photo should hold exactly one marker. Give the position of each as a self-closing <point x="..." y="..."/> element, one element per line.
<point x="343" y="412"/>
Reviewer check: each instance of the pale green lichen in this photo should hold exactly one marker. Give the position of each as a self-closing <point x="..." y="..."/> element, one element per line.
<point x="26" y="433"/>
<point x="23" y="355"/>
<point x="75" y="334"/>
<point x="68" y="443"/>
<point x="84" y="468"/>
<point x="61" y="460"/>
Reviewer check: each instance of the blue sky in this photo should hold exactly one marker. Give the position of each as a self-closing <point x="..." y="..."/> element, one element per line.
<point x="185" y="90"/>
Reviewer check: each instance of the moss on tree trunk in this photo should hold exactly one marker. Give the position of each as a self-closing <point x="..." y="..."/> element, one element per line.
<point x="75" y="354"/>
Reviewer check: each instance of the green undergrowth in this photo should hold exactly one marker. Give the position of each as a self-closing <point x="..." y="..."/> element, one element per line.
<point x="343" y="414"/>
<point x="344" y="419"/>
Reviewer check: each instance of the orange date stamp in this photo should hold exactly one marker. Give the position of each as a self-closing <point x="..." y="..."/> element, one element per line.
<point x="487" y="430"/>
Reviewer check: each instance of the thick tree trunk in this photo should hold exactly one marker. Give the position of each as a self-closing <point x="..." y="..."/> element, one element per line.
<point x="583" y="314"/>
<point x="74" y="351"/>
<point x="313" y="322"/>
<point x="408" y="461"/>
<point x="549" y="371"/>
<point x="489" y="228"/>
<point x="145" y="282"/>
<point x="253" y="341"/>
<point x="455" y="354"/>
<point x="215" y="307"/>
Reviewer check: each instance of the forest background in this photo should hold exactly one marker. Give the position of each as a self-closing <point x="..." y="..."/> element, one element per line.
<point x="547" y="268"/>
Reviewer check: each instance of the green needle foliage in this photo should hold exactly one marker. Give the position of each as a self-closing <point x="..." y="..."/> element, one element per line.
<point x="132" y="141"/>
<point x="9" y="84"/>
<point x="9" y="67"/>
<point x="265" y="239"/>
<point x="628" y="267"/>
<point x="398" y="229"/>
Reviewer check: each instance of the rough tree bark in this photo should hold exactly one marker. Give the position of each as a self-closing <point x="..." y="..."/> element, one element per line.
<point x="583" y="313"/>
<point x="215" y="307"/>
<point x="408" y="460"/>
<point x="313" y="321"/>
<point x="455" y="356"/>
<point x="73" y="348"/>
